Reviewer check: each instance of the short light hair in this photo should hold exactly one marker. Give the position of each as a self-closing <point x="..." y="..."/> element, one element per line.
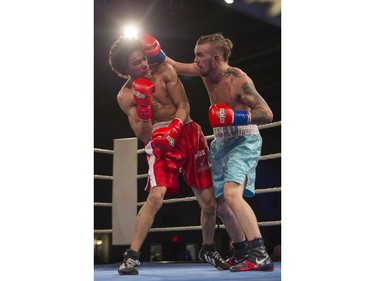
<point x="224" y="45"/>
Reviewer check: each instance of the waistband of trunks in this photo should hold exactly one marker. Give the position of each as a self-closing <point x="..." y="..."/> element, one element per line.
<point x="234" y="131"/>
<point x="166" y="123"/>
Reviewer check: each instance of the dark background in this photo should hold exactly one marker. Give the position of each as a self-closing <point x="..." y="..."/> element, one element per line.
<point x="177" y="24"/>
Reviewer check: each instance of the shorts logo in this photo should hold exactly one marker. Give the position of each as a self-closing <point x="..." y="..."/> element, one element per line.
<point x="200" y="153"/>
<point x="200" y="160"/>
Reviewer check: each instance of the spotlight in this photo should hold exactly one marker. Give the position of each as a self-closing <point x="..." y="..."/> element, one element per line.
<point x="131" y="31"/>
<point x="98" y="242"/>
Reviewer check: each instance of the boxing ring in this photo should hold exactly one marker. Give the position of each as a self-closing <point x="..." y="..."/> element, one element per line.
<point x="123" y="221"/>
<point x="157" y="271"/>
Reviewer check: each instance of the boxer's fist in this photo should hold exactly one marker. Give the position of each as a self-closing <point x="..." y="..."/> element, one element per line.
<point x="165" y="138"/>
<point x="222" y="115"/>
<point x="143" y="89"/>
<point x="151" y="48"/>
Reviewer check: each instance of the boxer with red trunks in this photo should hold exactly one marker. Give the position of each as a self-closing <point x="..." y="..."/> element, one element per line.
<point x="164" y="167"/>
<point x="158" y="111"/>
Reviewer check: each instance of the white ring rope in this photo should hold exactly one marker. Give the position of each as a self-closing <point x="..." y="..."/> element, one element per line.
<point x="270" y="156"/>
<point x="104" y="151"/>
<point x="143" y="176"/>
<point x="193" y="198"/>
<point x="186" y="228"/>
<point x="262" y="157"/>
<point x="102" y="204"/>
<point x="189" y="199"/>
<point x="260" y="127"/>
<point x="101" y="177"/>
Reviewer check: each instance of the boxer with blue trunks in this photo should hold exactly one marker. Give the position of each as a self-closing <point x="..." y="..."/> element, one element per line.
<point x="236" y="108"/>
<point x="234" y="155"/>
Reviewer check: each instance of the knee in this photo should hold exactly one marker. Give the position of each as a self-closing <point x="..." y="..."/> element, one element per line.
<point x="155" y="202"/>
<point x="209" y="207"/>
<point x="223" y="211"/>
<point x="232" y="195"/>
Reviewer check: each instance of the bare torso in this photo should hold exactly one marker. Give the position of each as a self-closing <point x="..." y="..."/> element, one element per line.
<point x="162" y="106"/>
<point x="168" y="101"/>
<point x="227" y="90"/>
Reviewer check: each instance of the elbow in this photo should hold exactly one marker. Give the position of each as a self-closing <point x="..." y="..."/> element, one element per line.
<point x="269" y="116"/>
<point x="142" y="138"/>
<point x="261" y="116"/>
<point x="145" y="138"/>
<point x="145" y="135"/>
<point x="183" y="111"/>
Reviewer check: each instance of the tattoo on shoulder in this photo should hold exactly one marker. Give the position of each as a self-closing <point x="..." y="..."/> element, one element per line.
<point x="232" y="71"/>
<point x="246" y="88"/>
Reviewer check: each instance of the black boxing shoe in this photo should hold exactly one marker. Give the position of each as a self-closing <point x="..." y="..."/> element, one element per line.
<point x="131" y="260"/>
<point x="258" y="259"/>
<point x="209" y="254"/>
<point x="241" y="253"/>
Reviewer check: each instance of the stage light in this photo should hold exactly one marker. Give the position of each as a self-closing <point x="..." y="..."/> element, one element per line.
<point x="98" y="242"/>
<point x="131" y="31"/>
<point x="229" y="1"/>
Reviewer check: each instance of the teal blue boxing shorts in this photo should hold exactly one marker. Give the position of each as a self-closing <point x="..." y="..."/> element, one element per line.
<point x="234" y="155"/>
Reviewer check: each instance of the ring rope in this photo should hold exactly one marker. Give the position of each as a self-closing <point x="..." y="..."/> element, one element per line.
<point x="104" y="151"/>
<point x="270" y="156"/>
<point x="185" y="228"/>
<point x="193" y="198"/>
<point x="210" y="137"/>
<point x="102" y="204"/>
<point x="143" y="176"/>
<point x="260" y="127"/>
<point x="199" y="227"/>
<point x="189" y="199"/>
<point x="102" y="177"/>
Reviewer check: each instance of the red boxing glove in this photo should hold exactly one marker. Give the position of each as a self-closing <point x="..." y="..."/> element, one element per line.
<point x="222" y="115"/>
<point x="165" y="138"/>
<point x="151" y="48"/>
<point x="143" y="89"/>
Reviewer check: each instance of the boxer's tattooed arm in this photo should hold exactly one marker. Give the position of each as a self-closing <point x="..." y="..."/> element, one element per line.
<point x="256" y="103"/>
<point x="252" y="93"/>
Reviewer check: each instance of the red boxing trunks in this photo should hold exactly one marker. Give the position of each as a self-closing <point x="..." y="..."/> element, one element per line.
<point x="189" y="156"/>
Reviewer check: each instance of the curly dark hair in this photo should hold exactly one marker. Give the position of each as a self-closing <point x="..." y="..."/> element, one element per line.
<point x="120" y="52"/>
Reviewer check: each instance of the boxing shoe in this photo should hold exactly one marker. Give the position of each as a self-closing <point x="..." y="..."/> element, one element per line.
<point x="131" y="260"/>
<point x="241" y="252"/>
<point x="257" y="260"/>
<point x="209" y="254"/>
